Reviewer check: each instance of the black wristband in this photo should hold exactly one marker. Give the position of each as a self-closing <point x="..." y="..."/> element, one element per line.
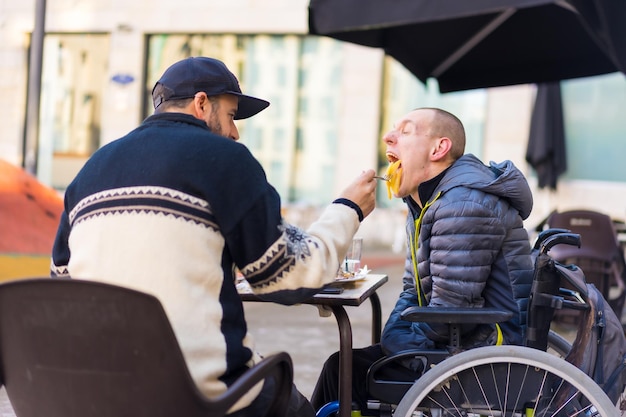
<point x="352" y="205"/>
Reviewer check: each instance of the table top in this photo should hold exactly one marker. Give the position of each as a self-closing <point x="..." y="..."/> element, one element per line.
<point x="354" y="293"/>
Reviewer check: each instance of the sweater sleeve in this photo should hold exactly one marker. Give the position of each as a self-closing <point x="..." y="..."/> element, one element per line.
<point x="60" y="249"/>
<point x="284" y="263"/>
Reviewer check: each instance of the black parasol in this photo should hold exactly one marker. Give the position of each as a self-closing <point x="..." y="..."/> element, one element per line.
<point x="484" y="43"/>
<point x="546" y="143"/>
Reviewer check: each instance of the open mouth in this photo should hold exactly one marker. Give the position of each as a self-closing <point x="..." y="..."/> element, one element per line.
<point x="391" y="157"/>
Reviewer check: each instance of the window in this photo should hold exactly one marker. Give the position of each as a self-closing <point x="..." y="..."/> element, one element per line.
<point x="74" y="76"/>
<point x="595" y="127"/>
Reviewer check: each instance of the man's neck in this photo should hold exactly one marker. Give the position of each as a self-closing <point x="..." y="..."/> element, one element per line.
<point x="426" y="189"/>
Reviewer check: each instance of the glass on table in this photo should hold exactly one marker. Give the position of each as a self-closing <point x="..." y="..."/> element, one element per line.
<point x="351" y="264"/>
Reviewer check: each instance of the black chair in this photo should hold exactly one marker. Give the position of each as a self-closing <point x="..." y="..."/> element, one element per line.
<point x="72" y="348"/>
<point x="599" y="256"/>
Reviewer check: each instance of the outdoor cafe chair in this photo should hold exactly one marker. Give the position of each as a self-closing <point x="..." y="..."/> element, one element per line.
<point x="599" y="255"/>
<point x="75" y="348"/>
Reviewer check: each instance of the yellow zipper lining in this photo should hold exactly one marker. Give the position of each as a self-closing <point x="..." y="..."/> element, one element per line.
<point x="414" y="247"/>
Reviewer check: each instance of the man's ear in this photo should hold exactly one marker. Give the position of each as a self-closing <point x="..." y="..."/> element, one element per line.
<point x="200" y="100"/>
<point x="441" y="149"/>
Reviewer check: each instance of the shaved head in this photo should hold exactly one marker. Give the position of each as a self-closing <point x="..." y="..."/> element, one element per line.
<point x="446" y="124"/>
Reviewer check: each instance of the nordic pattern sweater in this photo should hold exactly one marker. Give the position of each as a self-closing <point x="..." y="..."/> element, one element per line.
<point x="172" y="209"/>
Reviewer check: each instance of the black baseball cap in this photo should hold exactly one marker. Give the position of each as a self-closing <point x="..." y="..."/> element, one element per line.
<point x="191" y="75"/>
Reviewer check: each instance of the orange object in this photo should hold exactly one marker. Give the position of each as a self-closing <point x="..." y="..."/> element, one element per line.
<point x="29" y="217"/>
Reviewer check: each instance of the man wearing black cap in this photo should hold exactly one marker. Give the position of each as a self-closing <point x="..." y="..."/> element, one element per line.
<point x="211" y="86"/>
<point x="176" y="205"/>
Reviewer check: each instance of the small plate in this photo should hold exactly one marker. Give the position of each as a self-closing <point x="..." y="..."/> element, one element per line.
<point x="357" y="277"/>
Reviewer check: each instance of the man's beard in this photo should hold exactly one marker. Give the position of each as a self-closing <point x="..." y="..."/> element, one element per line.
<point x="214" y="124"/>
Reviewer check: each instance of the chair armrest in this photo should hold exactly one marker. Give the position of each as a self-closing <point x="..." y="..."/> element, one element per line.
<point x="456" y="315"/>
<point x="279" y="367"/>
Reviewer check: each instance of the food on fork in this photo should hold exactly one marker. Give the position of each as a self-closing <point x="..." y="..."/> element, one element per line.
<point x="394" y="173"/>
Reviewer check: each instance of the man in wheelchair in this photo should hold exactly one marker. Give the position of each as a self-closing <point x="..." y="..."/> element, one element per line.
<point x="467" y="248"/>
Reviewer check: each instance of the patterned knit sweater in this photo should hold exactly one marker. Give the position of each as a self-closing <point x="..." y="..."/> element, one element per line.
<point x="172" y="209"/>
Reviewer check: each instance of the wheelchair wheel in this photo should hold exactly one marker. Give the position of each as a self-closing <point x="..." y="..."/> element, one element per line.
<point x="558" y="345"/>
<point x="505" y="381"/>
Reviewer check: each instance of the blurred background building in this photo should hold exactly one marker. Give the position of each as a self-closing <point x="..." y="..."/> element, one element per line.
<point x="331" y="101"/>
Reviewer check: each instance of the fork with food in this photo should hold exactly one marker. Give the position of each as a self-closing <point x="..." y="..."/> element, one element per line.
<point x="392" y="178"/>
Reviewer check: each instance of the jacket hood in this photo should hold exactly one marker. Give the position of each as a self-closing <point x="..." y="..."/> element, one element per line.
<point x="502" y="179"/>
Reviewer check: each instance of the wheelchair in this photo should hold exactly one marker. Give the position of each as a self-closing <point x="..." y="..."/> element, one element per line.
<point x="507" y="380"/>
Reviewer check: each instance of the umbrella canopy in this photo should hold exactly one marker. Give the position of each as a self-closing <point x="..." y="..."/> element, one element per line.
<point x="546" y="142"/>
<point x="484" y="43"/>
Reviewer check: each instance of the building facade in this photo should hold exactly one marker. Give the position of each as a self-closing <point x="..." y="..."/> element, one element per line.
<point x="331" y="101"/>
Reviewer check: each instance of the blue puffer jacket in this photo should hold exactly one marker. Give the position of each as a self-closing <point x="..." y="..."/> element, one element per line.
<point x="471" y="251"/>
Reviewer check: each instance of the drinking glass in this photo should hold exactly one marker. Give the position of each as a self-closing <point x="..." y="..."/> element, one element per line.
<point x="352" y="262"/>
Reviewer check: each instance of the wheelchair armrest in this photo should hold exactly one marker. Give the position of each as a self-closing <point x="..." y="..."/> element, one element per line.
<point x="456" y="315"/>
